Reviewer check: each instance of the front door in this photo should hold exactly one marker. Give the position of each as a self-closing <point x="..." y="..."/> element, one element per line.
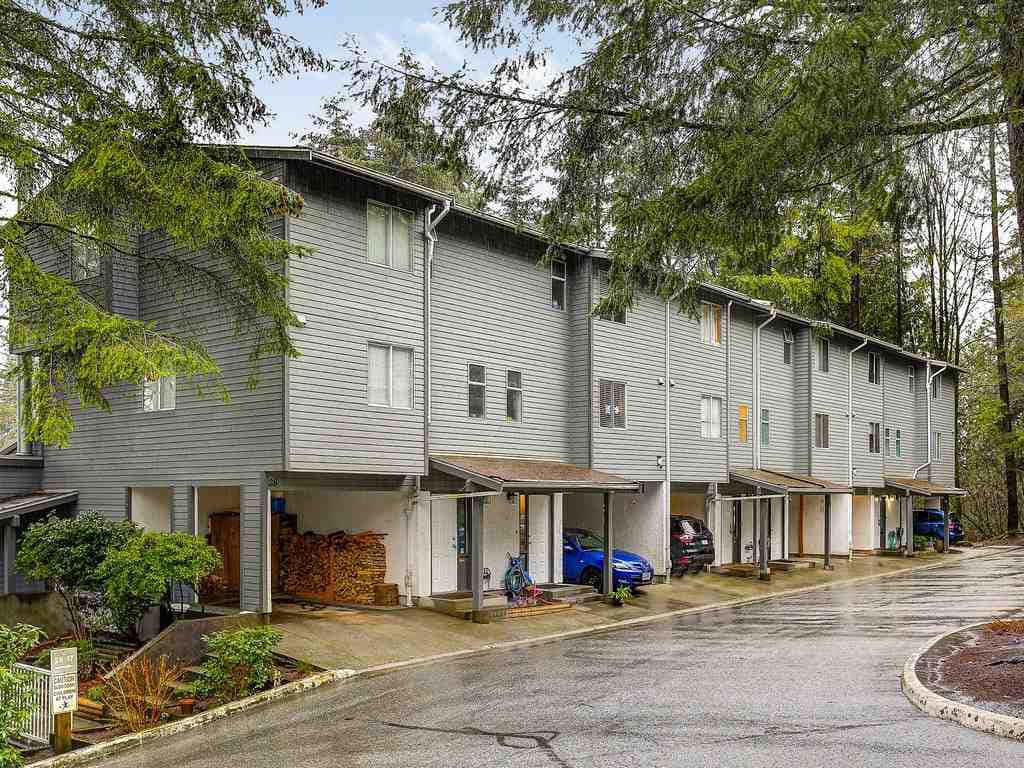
<point x="443" y="553"/>
<point x="538" y="549"/>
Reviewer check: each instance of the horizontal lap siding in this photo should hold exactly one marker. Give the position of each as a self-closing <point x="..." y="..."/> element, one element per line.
<point x="698" y="370"/>
<point x="779" y="396"/>
<point x="15" y="481"/>
<point x="803" y="418"/>
<point x="579" y="364"/>
<point x="901" y="414"/>
<point x="867" y="407"/>
<point x="829" y="392"/>
<point x="741" y="388"/>
<point x="491" y="306"/>
<point x="942" y="421"/>
<point x="633" y="352"/>
<point x="348" y="303"/>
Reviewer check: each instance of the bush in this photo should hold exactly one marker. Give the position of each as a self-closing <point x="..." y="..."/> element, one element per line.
<point x="68" y="553"/>
<point x="15" y="642"/>
<point x="241" y="662"/>
<point x="96" y="693"/>
<point x="137" y="692"/>
<point x="921" y="543"/>
<point x="140" y="575"/>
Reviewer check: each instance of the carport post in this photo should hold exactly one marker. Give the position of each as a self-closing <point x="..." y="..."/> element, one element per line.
<point x="608" y="582"/>
<point x="828" y="531"/>
<point x="476" y="548"/>
<point x="945" y="524"/>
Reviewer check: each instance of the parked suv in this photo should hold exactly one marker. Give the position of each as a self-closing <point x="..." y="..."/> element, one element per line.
<point x="928" y="522"/>
<point x="583" y="562"/>
<point x="692" y="545"/>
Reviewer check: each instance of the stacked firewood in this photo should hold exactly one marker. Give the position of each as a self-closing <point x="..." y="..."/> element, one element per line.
<point x="336" y="568"/>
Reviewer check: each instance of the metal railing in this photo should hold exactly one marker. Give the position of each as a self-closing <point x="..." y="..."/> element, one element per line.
<point x="38" y="726"/>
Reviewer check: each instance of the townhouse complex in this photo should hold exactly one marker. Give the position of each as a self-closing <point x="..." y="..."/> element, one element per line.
<point x="456" y="394"/>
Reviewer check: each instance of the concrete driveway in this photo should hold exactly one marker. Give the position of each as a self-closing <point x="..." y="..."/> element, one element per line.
<point x="807" y="680"/>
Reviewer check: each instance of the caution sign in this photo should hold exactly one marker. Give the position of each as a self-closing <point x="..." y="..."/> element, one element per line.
<point x="64" y="680"/>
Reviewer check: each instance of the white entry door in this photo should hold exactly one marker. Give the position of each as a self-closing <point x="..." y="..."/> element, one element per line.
<point x="539" y="547"/>
<point x="444" y="556"/>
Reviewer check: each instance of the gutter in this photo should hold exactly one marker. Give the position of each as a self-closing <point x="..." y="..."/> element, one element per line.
<point x="928" y="400"/>
<point x="430" y="223"/>
<point x="757" y="388"/>
<point x="849" y="410"/>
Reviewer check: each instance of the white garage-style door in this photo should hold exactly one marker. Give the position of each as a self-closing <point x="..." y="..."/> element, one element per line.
<point x="444" y="555"/>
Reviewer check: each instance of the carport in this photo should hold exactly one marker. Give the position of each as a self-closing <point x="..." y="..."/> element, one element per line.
<point x="770" y="486"/>
<point x="905" y="489"/>
<point x="483" y="478"/>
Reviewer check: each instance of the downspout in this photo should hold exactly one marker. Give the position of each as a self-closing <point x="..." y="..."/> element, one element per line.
<point x="756" y="416"/>
<point x="430" y="240"/>
<point x="849" y="411"/>
<point x="668" y="440"/>
<point x="928" y="400"/>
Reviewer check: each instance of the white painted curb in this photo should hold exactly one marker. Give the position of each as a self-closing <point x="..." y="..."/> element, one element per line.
<point x="936" y="705"/>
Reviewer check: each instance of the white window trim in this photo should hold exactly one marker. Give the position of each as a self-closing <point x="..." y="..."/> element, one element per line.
<point x="391" y="376"/>
<point x="521" y="389"/>
<point x="711" y="342"/>
<point x="710" y="422"/>
<point x="158" y="394"/>
<point x="936" y="393"/>
<point x="787" y="345"/>
<point x="625" y="399"/>
<point x="470" y="384"/>
<point x="888" y="441"/>
<point x="937" y="447"/>
<point x="765" y="425"/>
<point x="389" y="260"/>
<point x="899" y="443"/>
<point x="80" y="244"/>
<point x="824" y="343"/>
<point x="875" y="439"/>
<point x="874" y="368"/>
<point x="564" y="280"/>
<point x="827" y="432"/>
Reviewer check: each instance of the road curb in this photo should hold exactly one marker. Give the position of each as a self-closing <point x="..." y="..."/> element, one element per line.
<point x="936" y="705"/>
<point x="123" y="743"/>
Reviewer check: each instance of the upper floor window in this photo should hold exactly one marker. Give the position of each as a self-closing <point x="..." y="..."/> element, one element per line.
<point x="822" y="438"/>
<point x="766" y="426"/>
<point x="911" y="377"/>
<point x="558" y="285"/>
<point x="620" y="315"/>
<point x="937" y="447"/>
<point x="85" y="258"/>
<point x="613" y="404"/>
<point x="388" y="236"/>
<point x="477" y="391"/>
<point x="710" y="417"/>
<point x="874" y="368"/>
<point x="389" y="376"/>
<point x="513" y="396"/>
<point x="874" y="435"/>
<point x="711" y="323"/>
<point x="744" y="425"/>
<point x="823" y="349"/>
<point x="899" y="443"/>
<point x="160" y="394"/>
<point x="936" y="386"/>
<point x="888" y="441"/>
<point x="787" y="346"/>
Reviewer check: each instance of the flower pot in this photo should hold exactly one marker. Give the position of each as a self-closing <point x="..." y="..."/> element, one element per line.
<point x="187" y="706"/>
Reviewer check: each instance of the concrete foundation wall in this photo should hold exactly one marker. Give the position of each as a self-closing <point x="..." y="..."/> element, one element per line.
<point x="638" y="521"/>
<point x="814" y="524"/>
<point x="865" y="525"/>
<point x="44" y="610"/>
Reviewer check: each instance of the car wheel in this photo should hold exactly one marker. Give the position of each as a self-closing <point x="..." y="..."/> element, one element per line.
<point x="592" y="578"/>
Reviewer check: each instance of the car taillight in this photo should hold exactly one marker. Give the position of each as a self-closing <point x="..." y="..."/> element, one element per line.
<point x="686" y="539"/>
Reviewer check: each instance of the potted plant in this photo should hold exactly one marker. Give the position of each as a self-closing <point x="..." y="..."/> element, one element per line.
<point x="621" y="596"/>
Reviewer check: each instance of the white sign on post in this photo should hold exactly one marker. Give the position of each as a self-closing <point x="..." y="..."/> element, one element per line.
<point x="64" y="679"/>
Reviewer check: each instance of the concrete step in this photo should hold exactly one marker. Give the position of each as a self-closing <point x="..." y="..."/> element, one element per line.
<point x="742" y="570"/>
<point x="569" y="593"/>
<point x="790" y="565"/>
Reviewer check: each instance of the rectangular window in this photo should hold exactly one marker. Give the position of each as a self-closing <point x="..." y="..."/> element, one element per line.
<point x="766" y="426"/>
<point x="823" y="346"/>
<point x="787" y="346"/>
<point x="711" y="323"/>
<point x="617" y="317"/>
<point x="874" y="433"/>
<point x="613" y="404"/>
<point x="937" y="386"/>
<point x="821" y="430"/>
<point x="160" y="394"/>
<point x="744" y="414"/>
<point x="388" y="236"/>
<point x="85" y="258"/>
<point x="477" y="391"/>
<point x="710" y="417"/>
<point x="899" y="444"/>
<point x="874" y="368"/>
<point x="911" y="375"/>
<point x="389" y="376"/>
<point x="558" y="285"/>
<point x="513" y="396"/>
<point x="888" y="441"/>
<point x="937" y="447"/>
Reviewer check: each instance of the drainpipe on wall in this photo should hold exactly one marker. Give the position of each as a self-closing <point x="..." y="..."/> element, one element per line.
<point x="430" y="223"/>
<point x="928" y="401"/>
<point x="756" y="416"/>
<point x="668" y="440"/>
<point x="849" y="413"/>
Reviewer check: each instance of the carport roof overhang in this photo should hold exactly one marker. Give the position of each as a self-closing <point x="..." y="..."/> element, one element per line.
<point x="498" y="473"/>
<point x="911" y="486"/>
<point x="35" y="502"/>
<point x="785" y="482"/>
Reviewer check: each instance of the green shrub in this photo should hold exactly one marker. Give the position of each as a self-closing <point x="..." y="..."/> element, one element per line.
<point x="621" y="595"/>
<point x="96" y="693"/>
<point x="15" y="642"/>
<point x="921" y="543"/>
<point x="88" y="658"/>
<point x="241" y="662"/>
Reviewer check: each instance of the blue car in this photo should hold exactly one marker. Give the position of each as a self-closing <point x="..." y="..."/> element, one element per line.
<point x="928" y="522"/>
<point x="583" y="562"/>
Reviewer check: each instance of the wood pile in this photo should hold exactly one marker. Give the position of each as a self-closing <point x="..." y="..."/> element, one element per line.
<point x="334" y="568"/>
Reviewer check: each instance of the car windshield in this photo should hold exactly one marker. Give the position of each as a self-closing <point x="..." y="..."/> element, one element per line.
<point x="590" y="541"/>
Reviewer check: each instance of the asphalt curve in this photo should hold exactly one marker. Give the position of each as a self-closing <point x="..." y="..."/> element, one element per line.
<point x="810" y="680"/>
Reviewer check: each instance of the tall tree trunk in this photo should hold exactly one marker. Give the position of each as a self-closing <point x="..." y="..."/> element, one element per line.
<point x="1013" y="84"/>
<point x="1010" y="459"/>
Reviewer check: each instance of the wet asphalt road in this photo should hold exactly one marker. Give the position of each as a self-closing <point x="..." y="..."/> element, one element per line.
<point x="810" y="680"/>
